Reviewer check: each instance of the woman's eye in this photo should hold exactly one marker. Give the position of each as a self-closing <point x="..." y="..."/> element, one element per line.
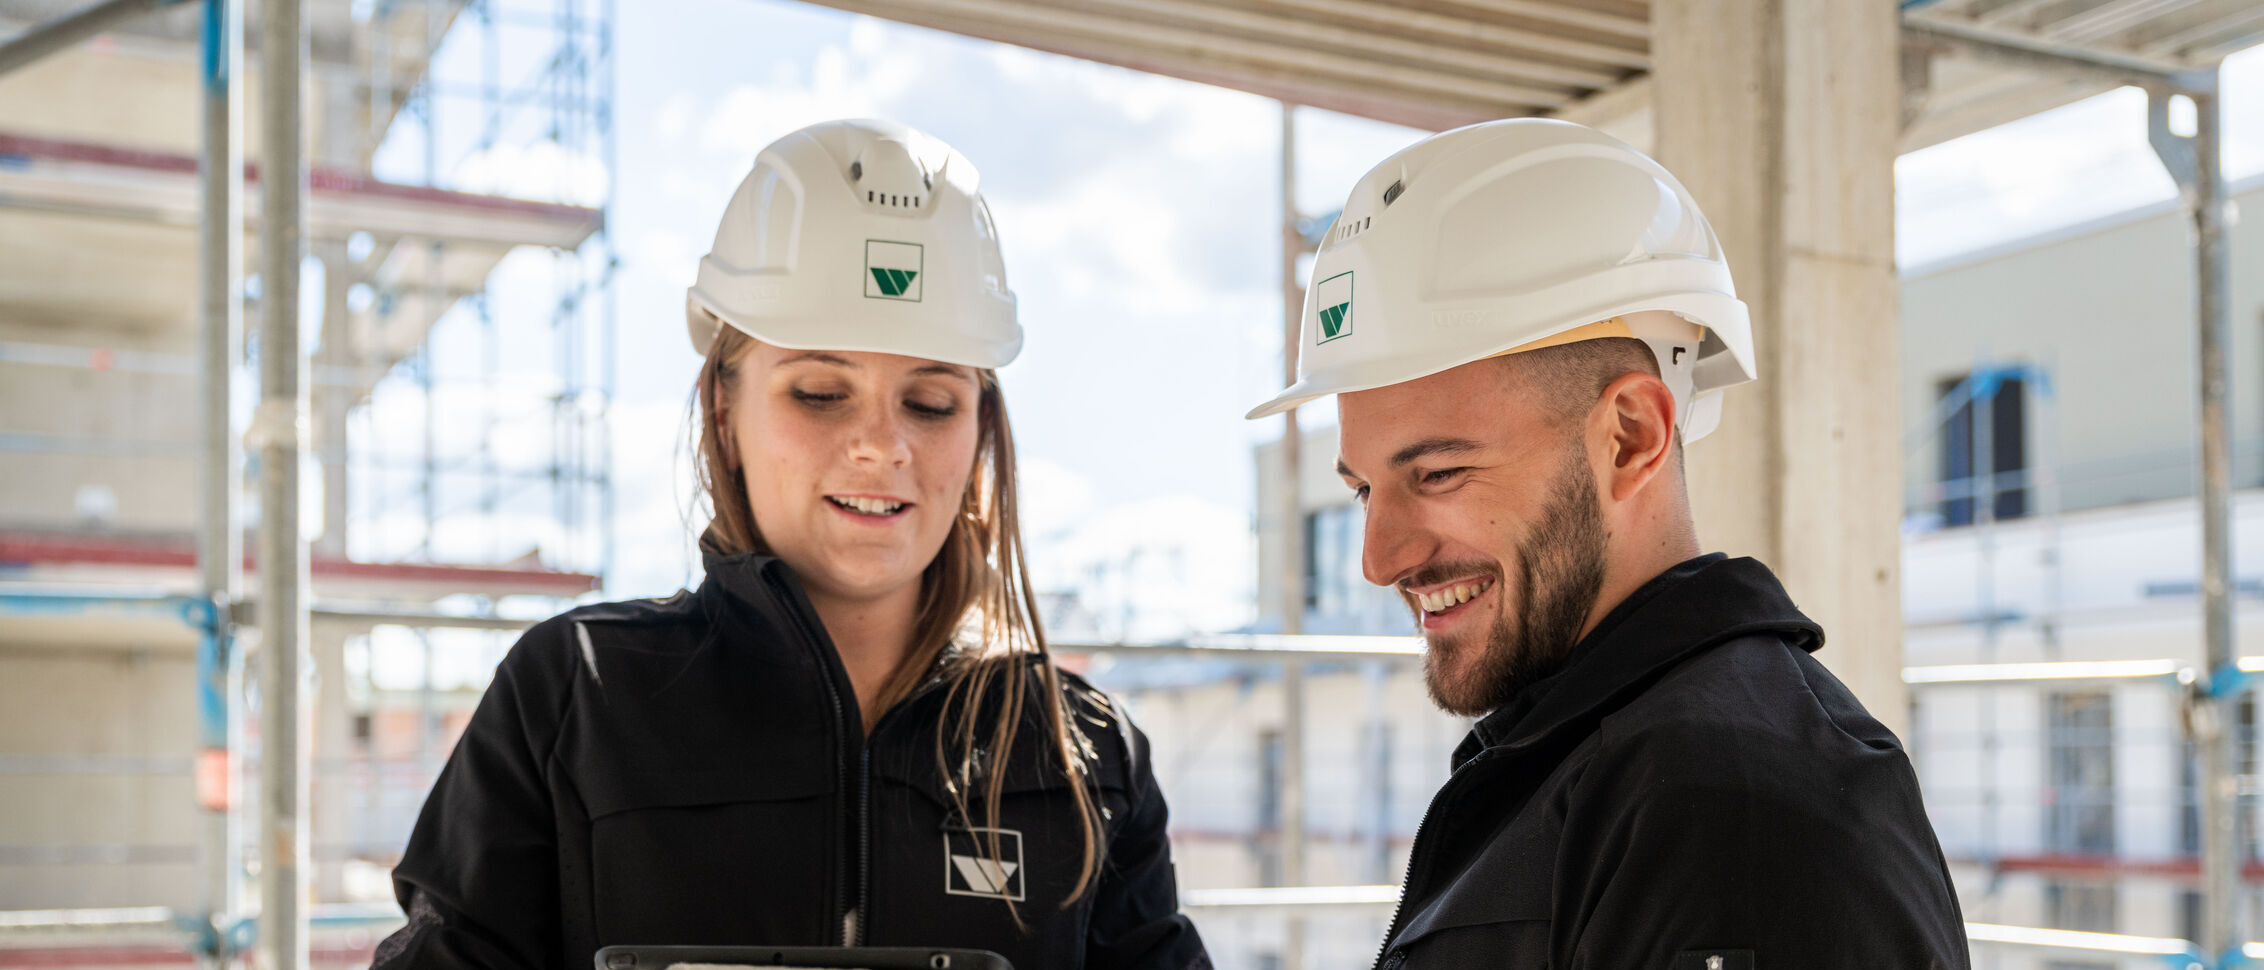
<point x="817" y="398"/>
<point x="932" y="410"/>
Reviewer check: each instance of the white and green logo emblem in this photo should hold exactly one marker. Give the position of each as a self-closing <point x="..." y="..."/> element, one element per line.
<point x="892" y="270"/>
<point x="1334" y="298"/>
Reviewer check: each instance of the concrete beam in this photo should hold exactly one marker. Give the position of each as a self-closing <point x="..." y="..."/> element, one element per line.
<point x="1782" y="118"/>
<point x="69" y="31"/>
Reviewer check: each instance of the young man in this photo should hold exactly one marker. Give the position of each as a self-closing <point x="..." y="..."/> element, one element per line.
<point x="1522" y="322"/>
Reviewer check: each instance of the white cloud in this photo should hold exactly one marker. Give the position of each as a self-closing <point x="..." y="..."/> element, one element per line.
<point x="543" y="170"/>
<point x="656" y="519"/>
<point x="1054" y="498"/>
<point x="674" y="119"/>
<point x="857" y="80"/>
<point x="1152" y="570"/>
<point x="667" y="254"/>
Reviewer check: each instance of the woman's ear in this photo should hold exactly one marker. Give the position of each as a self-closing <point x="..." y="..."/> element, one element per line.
<point x="726" y="443"/>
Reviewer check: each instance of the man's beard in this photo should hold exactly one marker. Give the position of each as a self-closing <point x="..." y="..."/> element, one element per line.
<point x="1560" y="571"/>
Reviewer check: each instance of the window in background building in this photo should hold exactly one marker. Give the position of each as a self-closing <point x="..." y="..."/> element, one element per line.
<point x="2080" y="905"/>
<point x="2244" y="768"/>
<point x="2079" y="773"/>
<point x="1332" y="560"/>
<point x="1338" y="597"/>
<point x="1967" y="452"/>
<point x="1268" y="840"/>
<point x="1316" y="557"/>
<point x="1378" y="795"/>
<point x="2189" y="915"/>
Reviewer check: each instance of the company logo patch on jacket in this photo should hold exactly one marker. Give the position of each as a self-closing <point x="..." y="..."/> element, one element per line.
<point x="1713" y="960"/>
<point x="970" y="870"/>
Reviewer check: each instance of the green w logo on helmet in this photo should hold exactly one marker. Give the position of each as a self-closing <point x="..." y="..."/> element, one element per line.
<point x="1334" y="298"/>
<point x="892" y="270"/>
<point x="893" y="282"/>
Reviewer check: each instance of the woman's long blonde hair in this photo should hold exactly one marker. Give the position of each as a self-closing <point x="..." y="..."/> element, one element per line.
<point x="979" y="575"/>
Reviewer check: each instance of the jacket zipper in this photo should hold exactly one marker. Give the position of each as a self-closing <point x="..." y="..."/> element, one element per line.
<point x="1415" y="861"/>
<point x="1399" y="909"/>
<point x="809" y="623"/>
<point x="864" y="908"/>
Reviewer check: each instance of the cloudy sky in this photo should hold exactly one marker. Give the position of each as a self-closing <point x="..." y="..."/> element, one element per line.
<point x="1138" y="215"/>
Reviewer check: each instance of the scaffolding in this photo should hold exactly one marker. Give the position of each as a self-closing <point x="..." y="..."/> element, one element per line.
<point x="449" y="407"/>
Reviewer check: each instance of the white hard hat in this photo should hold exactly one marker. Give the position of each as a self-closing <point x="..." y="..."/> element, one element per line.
<point x="860" y="235"/>
<point x="1513" y="235"/>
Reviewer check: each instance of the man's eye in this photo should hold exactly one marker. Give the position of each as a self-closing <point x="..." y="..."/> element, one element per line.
<point x="1441" y="476"/>
<point x="1360" y="495"/>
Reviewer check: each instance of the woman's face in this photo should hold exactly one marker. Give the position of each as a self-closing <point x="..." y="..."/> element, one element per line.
<point x="856" y="462"/>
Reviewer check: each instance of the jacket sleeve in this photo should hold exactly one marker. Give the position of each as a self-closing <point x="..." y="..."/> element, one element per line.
<point x="1136" y="923"/>
<point x="479" y="879"/>
<point x="1762" y="858"/>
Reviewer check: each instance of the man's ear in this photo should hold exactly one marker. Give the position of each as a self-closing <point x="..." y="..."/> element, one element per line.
<point x="1639" y="415"/>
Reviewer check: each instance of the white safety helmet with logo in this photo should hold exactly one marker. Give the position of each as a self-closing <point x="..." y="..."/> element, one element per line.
<point x="1515" y="235"/>
<point x="860" y="235"/>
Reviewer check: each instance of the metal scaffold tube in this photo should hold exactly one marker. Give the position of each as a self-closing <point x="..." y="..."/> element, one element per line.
<point x="2204" y="186"/>
<point x="2195" y="161"/>
<point x="220" y="552"/>
<point x="1293" y="550"/>
<point x="280" y="428"/>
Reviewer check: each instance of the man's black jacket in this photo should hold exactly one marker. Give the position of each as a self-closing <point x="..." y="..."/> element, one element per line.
<point x="1691" y="790"/>
<point x="693" y="771"/>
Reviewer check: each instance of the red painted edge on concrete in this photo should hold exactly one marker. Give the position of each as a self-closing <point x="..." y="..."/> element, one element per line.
<point x="321" y="179"/>
<point x="75" y="550"/>
<point x="2182" y="867"/>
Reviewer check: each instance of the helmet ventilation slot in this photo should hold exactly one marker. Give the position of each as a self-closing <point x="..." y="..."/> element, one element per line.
<point x="1347" y="230"/>
<point x="894" y="201"/>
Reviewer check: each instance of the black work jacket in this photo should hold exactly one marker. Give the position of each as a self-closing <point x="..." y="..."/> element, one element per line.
<point x="1691" y="790"/>
<point x="694" y="771"/>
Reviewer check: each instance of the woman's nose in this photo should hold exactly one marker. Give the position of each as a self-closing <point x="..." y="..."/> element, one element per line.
<point x="878" y="437"/>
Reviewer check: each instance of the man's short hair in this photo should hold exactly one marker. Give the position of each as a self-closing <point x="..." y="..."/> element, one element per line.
<point x="1573" y="376"/>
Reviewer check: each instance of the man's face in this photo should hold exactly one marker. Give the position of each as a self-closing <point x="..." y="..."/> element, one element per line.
<point x="1482" y="512"/>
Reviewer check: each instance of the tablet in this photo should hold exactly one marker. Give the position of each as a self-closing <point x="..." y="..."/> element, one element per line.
<point x="796" y="958"/>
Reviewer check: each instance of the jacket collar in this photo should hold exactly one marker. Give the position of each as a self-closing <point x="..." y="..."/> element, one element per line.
<point x="739" y="575"/>
<point x="1694" y="605"/>
<point x="751" y="585"/>
<point x="737" y="582"/>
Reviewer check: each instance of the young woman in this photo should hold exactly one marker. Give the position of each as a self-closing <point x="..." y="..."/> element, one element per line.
<point x="851" y="733"/>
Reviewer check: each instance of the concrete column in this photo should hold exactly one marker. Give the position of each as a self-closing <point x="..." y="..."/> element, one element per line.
<point x="1781" y="116"/>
